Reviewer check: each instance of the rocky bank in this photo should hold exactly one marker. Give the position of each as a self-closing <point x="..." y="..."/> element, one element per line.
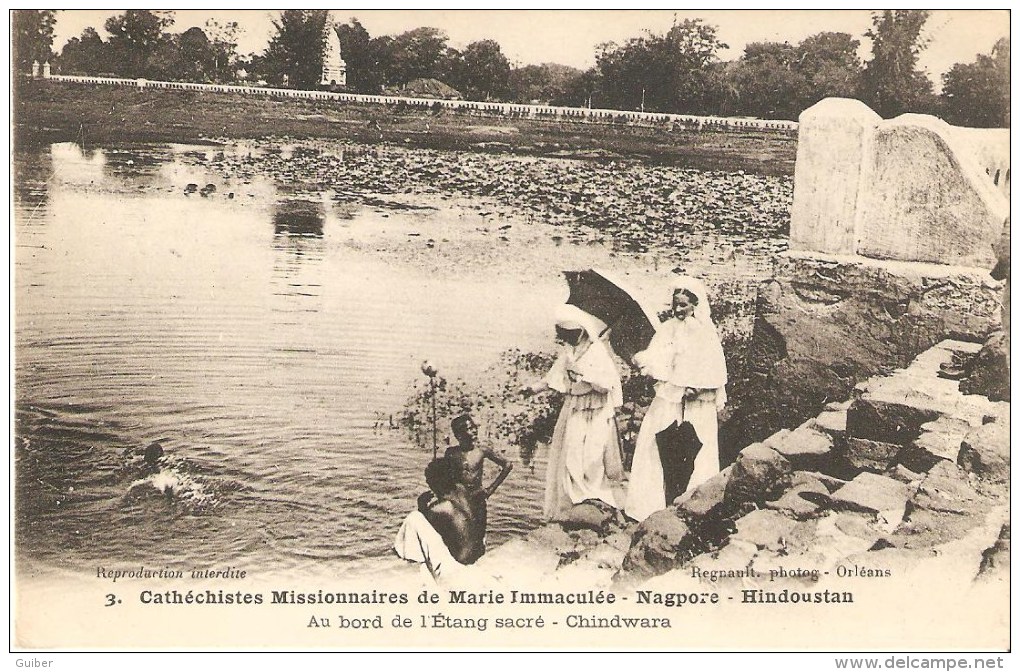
<point x="906" y="479"/>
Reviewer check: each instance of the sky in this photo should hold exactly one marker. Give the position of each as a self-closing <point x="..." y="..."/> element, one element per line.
<point x="570" y="37"/>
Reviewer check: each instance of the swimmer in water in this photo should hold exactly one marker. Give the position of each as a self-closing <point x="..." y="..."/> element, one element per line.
<point x="152" y="456"/>
<point x="159" y="476"/>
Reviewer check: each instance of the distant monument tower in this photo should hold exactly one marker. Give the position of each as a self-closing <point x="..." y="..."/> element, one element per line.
<point x="334" y="69"/>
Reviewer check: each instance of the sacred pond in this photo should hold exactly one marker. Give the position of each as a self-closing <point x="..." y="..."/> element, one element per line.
<point x="263" y="310"/>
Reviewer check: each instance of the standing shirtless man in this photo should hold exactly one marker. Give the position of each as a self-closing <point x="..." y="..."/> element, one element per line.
<point x="471" y="456"/>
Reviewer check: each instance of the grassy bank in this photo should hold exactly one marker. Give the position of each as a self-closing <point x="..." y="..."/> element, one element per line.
<point x="53" y="112"/>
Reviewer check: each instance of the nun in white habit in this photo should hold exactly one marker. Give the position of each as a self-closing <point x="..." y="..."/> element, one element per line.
<point x="584" y="455"/>
<point x="685" y="357"/>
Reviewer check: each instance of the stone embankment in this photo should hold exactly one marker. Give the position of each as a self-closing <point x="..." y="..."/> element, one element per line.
<point x="825" y="323"/>
<point x="907" y="476"/>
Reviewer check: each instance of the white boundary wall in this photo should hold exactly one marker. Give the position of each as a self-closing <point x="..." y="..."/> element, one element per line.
<point x="503" y="109"/>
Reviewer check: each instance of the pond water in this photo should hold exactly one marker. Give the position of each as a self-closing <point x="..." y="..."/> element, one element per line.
<point x="265" y="334"/>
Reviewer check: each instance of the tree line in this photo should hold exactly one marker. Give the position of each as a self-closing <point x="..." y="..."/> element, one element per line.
<point x="676" y="72"/>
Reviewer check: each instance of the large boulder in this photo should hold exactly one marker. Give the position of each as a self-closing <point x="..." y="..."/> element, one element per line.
<point x="805" y="498"/>
<point x="832" y="419"/>
<point x="880" y="420"/>
<point x="805" y="448"/>
<point x="759" y="474"/>
<point x="939" y="440"/>
<point x="989" y="370"/>
<point x="872" y="493"/>
<point x="707" y="501"/>
<point x="661" y="543"/>
<point x="588" y="515"/>
<point x="985" y="452"/>
<point x="868" y="455"/>
<point x="923" y="390"/>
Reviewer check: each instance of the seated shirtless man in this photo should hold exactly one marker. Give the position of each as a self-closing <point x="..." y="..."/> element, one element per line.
<point x="471" y="456"/>
<point x="458" y="513"/>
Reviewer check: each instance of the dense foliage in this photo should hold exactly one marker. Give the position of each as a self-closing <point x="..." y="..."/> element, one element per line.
<point x="977" y="94"/>
<point x="31" y="36"/>
<point x="679" y="71"/>
<point x="294" y="54"/>
<point x="891" y="82"/>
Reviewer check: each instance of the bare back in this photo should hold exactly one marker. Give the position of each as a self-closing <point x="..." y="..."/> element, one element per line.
<point x="460" y="520"/>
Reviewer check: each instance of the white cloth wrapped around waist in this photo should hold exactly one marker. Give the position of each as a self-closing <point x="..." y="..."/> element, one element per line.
<point x="418" y="541"/>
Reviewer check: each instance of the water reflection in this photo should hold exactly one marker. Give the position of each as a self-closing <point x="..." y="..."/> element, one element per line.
<point x="299" y="217"/>
<point x="32" y="175"/>
<point x="299" y="249"/>
<point x="75" y="165"/>
<point x="122" y="170"/>
<point x="136" y="164"/>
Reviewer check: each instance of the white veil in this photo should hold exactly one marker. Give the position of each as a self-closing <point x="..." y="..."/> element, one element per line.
<point x="687" y="353"/>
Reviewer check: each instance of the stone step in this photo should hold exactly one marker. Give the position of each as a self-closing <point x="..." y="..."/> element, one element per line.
<point x="895" y="408"/>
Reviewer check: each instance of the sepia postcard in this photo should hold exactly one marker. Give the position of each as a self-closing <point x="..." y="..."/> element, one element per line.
<point x="511" y="330"/>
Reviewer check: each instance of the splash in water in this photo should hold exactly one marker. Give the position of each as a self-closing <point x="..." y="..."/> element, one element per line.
<point x="170" y="477"/>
